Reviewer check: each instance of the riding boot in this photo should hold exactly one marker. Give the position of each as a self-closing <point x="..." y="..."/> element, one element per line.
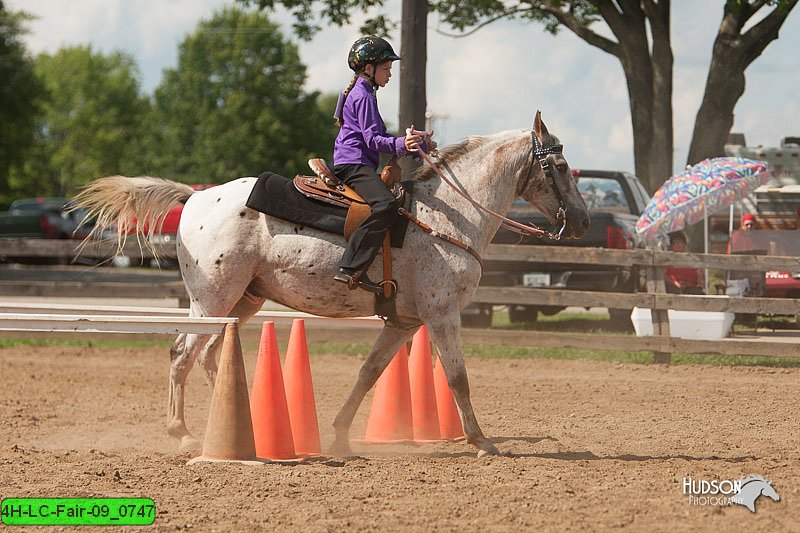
<point x="357" y="280"/>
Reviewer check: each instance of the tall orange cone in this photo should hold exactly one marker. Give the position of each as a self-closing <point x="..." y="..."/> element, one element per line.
<point x="271" y="425"/>
<point x="450" y="426"/>
<point x="390" y="418"/>
<point x="229" y="431"/>
<point x="423" y="396"/>
<point x="300" y="392"/>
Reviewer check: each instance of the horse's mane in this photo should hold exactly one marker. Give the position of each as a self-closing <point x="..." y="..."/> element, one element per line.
<point x="450" y="154"/>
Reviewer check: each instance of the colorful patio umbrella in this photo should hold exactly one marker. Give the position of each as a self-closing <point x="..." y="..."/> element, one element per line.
<point x="706" y="188"/>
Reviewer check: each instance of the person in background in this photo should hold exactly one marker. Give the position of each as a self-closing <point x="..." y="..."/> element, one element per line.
<point x="748" y="222"/>
<point x="682" y="280"/>
<point x="744" y="239"/>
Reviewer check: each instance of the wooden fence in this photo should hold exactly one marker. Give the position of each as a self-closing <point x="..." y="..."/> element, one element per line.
<point x="655" y="298"/>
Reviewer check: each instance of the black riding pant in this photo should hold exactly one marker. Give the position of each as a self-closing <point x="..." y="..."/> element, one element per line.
<point x="366" y="240"/>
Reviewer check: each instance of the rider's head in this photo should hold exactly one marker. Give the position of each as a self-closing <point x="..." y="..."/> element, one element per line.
<point x="372" y="56"/>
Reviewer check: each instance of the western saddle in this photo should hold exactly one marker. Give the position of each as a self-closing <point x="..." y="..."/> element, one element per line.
<point x="326" y="187"/>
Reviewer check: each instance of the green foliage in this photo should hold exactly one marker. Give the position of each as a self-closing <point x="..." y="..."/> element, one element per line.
<point x="19" y="93"/>
<point x="234" y="106"/>
<point x="308" y="21"/>
<point x="90" y="115"/>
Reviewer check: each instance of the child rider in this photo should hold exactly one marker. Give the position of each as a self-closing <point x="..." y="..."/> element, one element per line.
<point x="356" y="153"/>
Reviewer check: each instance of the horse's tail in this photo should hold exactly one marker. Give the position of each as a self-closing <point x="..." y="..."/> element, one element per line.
<point x="130" y="205"/>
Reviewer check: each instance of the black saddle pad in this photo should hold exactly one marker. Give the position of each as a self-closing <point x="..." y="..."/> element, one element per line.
<point x="276" y="196"/>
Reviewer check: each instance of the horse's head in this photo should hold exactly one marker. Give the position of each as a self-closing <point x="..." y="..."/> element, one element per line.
<point x="548" y="184"/>
<point x="768" y="490"/>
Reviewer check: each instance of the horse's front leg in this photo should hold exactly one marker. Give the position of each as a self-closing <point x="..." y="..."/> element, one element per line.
<point x="389" y="341"/>
<point x="446" y="334"/>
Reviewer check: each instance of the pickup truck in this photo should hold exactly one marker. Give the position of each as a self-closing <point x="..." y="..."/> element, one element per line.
<point x="39" y="218"/>
<point x="615" y="201"/>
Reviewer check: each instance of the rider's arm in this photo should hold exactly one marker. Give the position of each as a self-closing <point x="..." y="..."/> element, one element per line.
<point x="374" y="130"/>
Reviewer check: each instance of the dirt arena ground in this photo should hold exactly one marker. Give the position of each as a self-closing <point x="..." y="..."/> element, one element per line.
<point x="591" y="446"/>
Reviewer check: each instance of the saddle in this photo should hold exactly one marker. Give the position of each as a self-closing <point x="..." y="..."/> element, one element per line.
<point x="326" y="187"/>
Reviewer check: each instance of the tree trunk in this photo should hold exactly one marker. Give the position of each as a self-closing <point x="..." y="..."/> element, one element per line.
<point x="733" y="52"/>
<point x="661" y="158"/>
<point x="413" y="50"/>
<point x="724" y="86"/>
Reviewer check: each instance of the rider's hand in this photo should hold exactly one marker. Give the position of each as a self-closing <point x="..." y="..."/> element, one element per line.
<point x="412" y="139"/>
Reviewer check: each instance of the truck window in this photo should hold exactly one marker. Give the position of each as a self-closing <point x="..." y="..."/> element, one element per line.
<point x="603" y="195"/>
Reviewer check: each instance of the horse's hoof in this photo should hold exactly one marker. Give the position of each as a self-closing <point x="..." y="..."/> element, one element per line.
<point x="340" y="448"/>
<point x="189" y="444"/>
<point x="488" y="449"/>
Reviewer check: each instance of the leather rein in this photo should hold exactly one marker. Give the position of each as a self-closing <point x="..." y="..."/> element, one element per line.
<point x="539" y="154"/>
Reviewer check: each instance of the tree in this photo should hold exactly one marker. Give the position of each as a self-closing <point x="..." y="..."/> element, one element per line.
<point x="234" y="106"/>
<point x="642" y="44"/>
<point x="734" y="50"/>
<point x="413" y="40"/>
<point x="91" y="114"/>
<point x="642" y="32"/>
<point x="19" y="95"/>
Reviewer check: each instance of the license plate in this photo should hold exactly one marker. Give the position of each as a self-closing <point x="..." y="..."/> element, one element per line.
<point x="536" y="279"/>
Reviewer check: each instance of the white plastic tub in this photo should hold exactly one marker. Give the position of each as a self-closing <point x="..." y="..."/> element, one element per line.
<point x="694" y="325"/>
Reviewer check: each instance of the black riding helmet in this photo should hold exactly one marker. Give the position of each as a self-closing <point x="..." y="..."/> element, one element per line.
<point x="370" y="50"/>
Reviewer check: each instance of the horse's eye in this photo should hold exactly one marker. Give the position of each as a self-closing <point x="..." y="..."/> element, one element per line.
<point x="562" y="167"/>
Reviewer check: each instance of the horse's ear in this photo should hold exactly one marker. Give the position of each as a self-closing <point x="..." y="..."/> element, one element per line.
<point x="539" y="128"/>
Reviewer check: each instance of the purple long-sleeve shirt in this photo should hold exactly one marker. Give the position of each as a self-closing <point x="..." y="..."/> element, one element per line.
<point x="363" y="134"/>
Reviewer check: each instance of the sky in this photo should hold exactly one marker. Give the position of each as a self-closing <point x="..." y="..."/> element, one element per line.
<point x="491" y="81"/>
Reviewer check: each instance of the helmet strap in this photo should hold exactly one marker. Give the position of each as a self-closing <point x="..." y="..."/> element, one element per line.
<point x="370" y="77"/>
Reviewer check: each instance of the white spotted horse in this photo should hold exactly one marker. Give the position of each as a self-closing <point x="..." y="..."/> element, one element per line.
<point x="234" y="258"/>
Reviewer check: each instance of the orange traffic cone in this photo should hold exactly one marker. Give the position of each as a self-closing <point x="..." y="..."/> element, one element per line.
<point x="390" y="419"/>
<point x="271" y="426"/>
<point x="229" y="431"/>
<point x="300" y="393"/>
<point x="423" y="396"/>
<point x="450" y="426"/>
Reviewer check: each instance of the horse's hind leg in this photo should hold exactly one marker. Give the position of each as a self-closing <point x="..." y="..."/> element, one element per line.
<point x="446" y="334"/>
<point x="182" y="356"/>
<point x="389" y="341"/>
<point x="244" y="311"/>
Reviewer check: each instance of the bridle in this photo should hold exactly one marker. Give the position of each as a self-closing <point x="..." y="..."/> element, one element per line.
<point x="539" y="155"/>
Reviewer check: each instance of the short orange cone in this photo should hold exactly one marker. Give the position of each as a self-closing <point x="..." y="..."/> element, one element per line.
<point x="390" y="419"/>
<point x="450" y="426"/>
<point x="300" y="392"/>
<point x="271" y="425"/>
<point x="229" y="431"/>
<point x="423" y="396"/>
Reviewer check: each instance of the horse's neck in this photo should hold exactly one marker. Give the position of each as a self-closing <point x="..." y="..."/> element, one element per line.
<point x="484" y="178"/>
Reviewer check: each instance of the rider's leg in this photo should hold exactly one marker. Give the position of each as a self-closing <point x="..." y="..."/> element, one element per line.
<point x="366" y="240"/>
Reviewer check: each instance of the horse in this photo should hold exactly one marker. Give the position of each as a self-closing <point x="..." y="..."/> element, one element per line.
<point x="234" y="258"/>
<point x="751" y="488"/>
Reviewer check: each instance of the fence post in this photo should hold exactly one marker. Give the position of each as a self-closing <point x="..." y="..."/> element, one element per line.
<point x="655" y="285"/>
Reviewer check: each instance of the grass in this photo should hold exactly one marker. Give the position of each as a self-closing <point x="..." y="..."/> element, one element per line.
<point x="111" y="344"/>
<point x="597" y="323"/>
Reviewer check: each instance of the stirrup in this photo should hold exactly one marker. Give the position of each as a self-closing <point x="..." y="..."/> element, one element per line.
<point x="358" y="280"/>
<point x="392" y="284"/>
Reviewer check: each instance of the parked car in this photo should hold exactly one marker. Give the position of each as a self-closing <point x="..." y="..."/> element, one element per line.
<point x="615" y="201"/>
<point x="41" y="218"/>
